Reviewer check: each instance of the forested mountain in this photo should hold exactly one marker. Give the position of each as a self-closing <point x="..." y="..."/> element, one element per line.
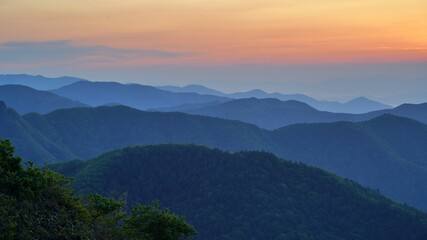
<point x="40" y="204"/>
<point x="25" y="100"/>
<point x="388" y="153"/>
<point x="414" y="111"/>
<point x="37" y="82"/>
<point x="132" y="95"/>
<point x="246" y="195"/>
<point x="31" y="144"/>
<point x="376" y="153"/>
<point x="272" y="113"/>
<point x="88" y="132"/>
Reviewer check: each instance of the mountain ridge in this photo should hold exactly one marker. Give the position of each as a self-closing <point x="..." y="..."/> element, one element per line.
<point x="133" y="95"/>
<point x="37" y="82"/>
<point x="345" y="148"/>
<point x="24" y="99"/>
<point x="226" y="194"/>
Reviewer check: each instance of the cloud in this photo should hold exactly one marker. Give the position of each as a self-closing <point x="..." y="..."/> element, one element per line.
<point x="56" y="52"/>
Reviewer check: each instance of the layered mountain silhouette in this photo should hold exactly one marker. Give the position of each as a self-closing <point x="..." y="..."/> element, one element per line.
<point x="37" y="82"/>
<point x="25" y="100"/>
<point x="387" y="153"/>
<point x="132" y="95"/>
<point x="272" y="113"/>
<point x="414" y="111"/>
<point x="145" y="97"/>
<point x="31" y="143"/>
<point x="357" y="105"/>
<point x="246" y="195"/>
<point x="194" y="88"/>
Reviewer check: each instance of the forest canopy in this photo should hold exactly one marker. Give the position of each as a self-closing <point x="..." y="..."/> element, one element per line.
<point x="40" y="204"/>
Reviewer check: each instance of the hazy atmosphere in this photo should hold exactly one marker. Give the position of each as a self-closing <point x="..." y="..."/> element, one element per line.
<point x="213" y="120"/>
<point x="327" y="49"/>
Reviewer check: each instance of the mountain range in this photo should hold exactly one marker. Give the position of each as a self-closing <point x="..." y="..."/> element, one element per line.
<point x="387" y="153"/>
<point x="132" y="95"/>
<point x="272" y="113"/>
<point x="147" y="97"/>
<point x="37" y="82"/>
<point x="25" y="100"/>
<point x="246" y="195"/>
<point x="265" y="113"/>
<point x="357" y="105"/>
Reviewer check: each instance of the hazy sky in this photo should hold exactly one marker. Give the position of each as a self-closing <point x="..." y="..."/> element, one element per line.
<point x="326" y="48"/>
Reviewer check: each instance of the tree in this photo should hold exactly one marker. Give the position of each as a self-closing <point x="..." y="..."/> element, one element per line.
<point x="40" y="204"/>
<point x="152" y="223"/>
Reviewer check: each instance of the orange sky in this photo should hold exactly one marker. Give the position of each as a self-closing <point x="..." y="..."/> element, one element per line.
<point x="229" y="31"/>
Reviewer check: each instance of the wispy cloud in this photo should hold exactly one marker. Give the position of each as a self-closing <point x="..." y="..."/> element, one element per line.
<point x="57" y="52"/>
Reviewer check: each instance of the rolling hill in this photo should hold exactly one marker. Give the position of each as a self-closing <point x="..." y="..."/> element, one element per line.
<point x="31" y="144"/>
<point x="37" y="82"/>
<point x="390" y="158"/>
<point x="246" y="195"/>
<point x="414" y="111"/>
<point x="132" y="95"/>
<point x="270" y="113"/>
<point x="25" y="100"/>
<point x="356" y="106"/>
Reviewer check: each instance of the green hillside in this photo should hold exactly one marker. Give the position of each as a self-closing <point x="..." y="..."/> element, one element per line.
<point x="246" y="195"/>
<point x="387" y="153"/>
<point x="88" y="132"/>
<point x="32" y="144"/>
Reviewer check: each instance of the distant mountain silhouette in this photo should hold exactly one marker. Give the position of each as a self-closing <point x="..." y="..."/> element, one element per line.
<point x="37" y="82"/>
<point x="195" y="88"/>
<point x="273" y="113"/>
<point x="414" y="111"/>
<point x="270" y="113"/>
<point x="388" y="152"/>
<point x="25" y="100"/>
<point x="146" y="97"/>
<point x="132" y="95"/>
<point x="358" y="105"/>
<point x="246" y="195"/>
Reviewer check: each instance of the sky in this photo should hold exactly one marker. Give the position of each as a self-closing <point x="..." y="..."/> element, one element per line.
<point x="330" y="49"/>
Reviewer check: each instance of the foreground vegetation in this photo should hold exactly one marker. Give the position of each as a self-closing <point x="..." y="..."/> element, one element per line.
<point x="246" y="195"/>
<point x="40" y="204"/>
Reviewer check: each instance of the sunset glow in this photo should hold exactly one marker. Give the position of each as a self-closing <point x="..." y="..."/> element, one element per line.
<point x="223" y="32"/>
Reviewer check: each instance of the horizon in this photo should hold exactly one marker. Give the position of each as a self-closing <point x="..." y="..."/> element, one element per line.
<point x="332" y="50"/>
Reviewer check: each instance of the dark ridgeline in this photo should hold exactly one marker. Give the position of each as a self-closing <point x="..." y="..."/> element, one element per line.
<point x="25" y="100"/>
<point x="246" y="195"/>
<point x="387" y="153"/>
<point x="270" y="113"/>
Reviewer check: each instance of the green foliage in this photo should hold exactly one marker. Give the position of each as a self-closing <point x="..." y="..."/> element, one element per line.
<point x="40" y="204"/>
<point x="247" y="195"/>
<point x="105" y="217"/>
<point x="36" y="204"/>
<point x="391" y="159"/>
<point x="152" y="223"/>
